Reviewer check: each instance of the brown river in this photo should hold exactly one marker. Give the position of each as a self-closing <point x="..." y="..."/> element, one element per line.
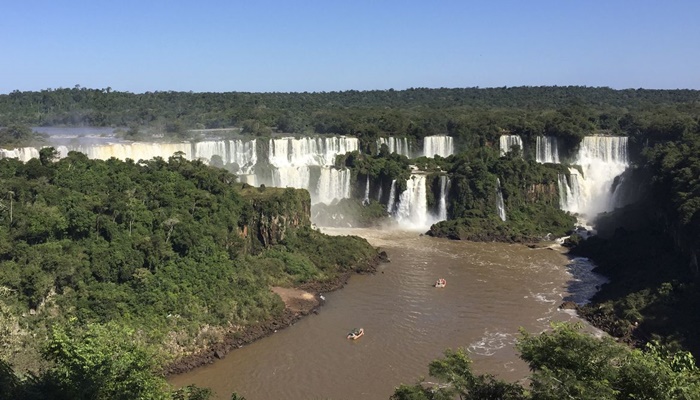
<point x="492" y="290"/>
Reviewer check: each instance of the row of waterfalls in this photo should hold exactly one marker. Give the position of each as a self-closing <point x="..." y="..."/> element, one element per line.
<point x="442" y="146"/>
<point x="304" y="162"/>
<point x="308" y="163"/>
<point x="588" y="189"/>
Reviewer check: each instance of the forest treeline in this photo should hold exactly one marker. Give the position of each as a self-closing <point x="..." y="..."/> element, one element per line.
<point x="474" y="116"/>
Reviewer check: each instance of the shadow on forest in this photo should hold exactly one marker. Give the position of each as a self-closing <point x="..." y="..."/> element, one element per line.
<point x="651" y="293"/>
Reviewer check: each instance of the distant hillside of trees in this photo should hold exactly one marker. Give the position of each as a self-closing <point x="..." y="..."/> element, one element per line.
<point x="472" y="115"/>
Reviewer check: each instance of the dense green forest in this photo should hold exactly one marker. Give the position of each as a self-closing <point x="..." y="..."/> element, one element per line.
<point x="567" y="363"/>
<point x="174" y="252"/>
<point x="86" y="243"/>
<point x="474" y="116"/>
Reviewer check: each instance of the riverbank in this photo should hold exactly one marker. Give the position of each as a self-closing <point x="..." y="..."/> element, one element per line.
<point x="299" y="302"/>
<point x="652" y="293"/>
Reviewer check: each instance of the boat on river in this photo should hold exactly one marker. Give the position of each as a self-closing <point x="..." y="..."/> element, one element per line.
<point x="356" y="333"/>
<point x="440" y="283"/>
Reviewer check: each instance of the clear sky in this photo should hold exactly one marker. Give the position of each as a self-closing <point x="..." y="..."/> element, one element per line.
<point x="299" y="45"/>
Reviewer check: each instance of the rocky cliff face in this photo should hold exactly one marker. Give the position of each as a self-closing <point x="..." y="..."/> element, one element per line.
<point x="274" y="212"/>
<point x="546" y="193"/>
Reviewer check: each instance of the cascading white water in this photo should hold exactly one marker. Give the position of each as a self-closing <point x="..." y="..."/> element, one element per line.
<point x="365" y="200"/>
<point x="601" y="158"/>
<point x="23" y="154"/>
<point x="506" y="142"/>
<point x="294" y="177"/>
<point x="442" y="206"/>
<point x="135" y="151"/>
<point x="206" y="150"/>
<point x="309" y="151"/>
<point x="570" y="198"/>
<point x="412" y="210"/>
<point x="547" y="150"/>
<point x="292" y="159"/>
<point x="333" y="184"/>
<point x="243" y="153"/>
<point x="440" y="144"/>
<point x="500" y="205"/>
<point x="392" y="197"/>
<point x="396" y="145"/>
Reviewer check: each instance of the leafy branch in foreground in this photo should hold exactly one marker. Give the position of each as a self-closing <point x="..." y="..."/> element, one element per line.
<point x="567" y="363"/>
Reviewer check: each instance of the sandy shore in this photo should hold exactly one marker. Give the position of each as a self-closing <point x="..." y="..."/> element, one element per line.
<point x="297" y="300"/>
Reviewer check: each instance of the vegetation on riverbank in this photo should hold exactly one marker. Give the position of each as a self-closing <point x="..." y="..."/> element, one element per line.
<point x="567" y="364"/>
<point x="530" y="195"/>
<point x="649" y="251"/>
<point x="174" y="251"/>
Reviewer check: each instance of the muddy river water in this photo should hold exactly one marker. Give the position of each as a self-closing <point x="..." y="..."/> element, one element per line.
<point x="492" y="290"/>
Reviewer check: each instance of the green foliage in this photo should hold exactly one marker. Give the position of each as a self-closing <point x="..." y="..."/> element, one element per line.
<point x="475" y="117"/>
<point x="333" y="253"/>
<point x="568" y="364"/>
<point x="164" y="246"/>
<point x="9" y="382"/>
<point x="455" y="370"/>
<point x="571" y="364"/>
<point x="192" y="392"/>
<point x="14" y="136"/>
<point x="349" y="212"/>
<point x="104" y="362"/>
<point x="652" y="293"/>
<point x="529" y="192"/>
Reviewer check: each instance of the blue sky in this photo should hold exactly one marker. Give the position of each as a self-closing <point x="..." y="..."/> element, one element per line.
<point x="296" y="46"/>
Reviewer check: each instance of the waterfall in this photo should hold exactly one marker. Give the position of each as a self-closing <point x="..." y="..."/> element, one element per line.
<point x="570" y="191"/>
<point x="500" y="205"/>
<point x="306" y="163"/>
<point x="441" y="145"/>
<point x="506" y="142"/>
<point x="547" y="150"/>
<point x="442" y="209"/>
<point x="293" y="158"/>
<point x="206" y="150"/>
<point x="392" y="197"/>
<point x="135" y="151"/>
<point x="396" y="145"/>
<point x="365" y="200"/>
<point x="412" y="211"/>
<point x="379" y="193"/>
<point x="309" y="151"/>
<point x="290" y="176"/>
<point x="333" y="184"/>
<point x="626" y="189"/>
<point x="243" y="153"/>
<point x="23" y="154"/>
<point x="601" y="159"/>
